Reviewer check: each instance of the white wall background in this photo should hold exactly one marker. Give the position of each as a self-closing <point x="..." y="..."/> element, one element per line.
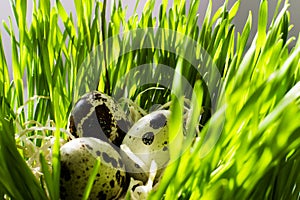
<point x="240" y="19"/>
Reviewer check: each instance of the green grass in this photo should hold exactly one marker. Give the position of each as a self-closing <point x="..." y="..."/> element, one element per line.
<point x="248" y="146"/>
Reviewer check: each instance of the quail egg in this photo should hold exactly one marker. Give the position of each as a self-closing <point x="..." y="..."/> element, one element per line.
<point x="98" y="115"/>
<point x="147" y="141"/>
<point x="78" y="157"/>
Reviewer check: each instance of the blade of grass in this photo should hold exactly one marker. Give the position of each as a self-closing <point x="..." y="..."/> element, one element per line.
<point x="91" y="179"/>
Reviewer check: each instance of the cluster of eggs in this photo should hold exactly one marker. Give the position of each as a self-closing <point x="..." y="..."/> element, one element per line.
<point x="103" y="131"/>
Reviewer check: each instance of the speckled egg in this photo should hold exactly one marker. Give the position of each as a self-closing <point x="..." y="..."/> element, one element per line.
<point x="78" y="157"/>
<point x="98" y="115"/>
<point x="147" y="140"/>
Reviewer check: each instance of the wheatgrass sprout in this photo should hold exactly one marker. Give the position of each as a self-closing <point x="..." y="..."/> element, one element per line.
<point x="248" y="142"/>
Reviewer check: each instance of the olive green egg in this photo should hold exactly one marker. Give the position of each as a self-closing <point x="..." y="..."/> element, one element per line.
<point x="78" y="157"/>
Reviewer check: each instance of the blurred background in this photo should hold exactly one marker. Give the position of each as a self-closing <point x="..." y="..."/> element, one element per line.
<point x="239" y="21"/>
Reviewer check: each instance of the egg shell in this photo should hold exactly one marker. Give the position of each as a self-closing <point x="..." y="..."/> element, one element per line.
<point x="78" y="157"/>
<point x="98" y="115"/>
<point x="147" y="140"/>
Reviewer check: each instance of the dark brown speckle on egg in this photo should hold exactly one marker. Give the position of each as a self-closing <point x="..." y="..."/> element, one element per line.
<point x="104" y="119"/>
<point x="101" y="195"/>
<point x="158" y="121"/>
<point x="89" y="147"/>
<point x="148" y="138"/>
<point x="118" y="176"/>
<point x="100" y="97"/>
<point x="109" y="159"/>
<point x="98" y="153"/>
<point x="65" y="172"/>
<point x="112" y="183"/>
